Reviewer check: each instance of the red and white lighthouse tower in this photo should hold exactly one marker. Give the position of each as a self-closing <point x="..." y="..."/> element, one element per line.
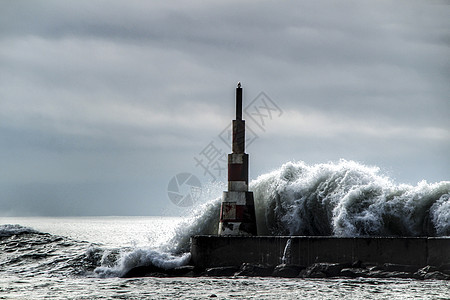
<point x="237" y="213"/>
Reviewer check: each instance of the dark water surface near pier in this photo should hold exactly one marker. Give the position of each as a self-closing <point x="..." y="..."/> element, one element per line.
<point x="36" y="265"/>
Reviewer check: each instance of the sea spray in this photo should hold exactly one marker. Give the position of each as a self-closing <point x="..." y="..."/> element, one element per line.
<point x="344" y="198"/>
<point x="142" y="257"/>
<point x="174" y="253"/>
<point x="204" y="220"/>
<point x="348" y="199"/>
<point x="440" y="212"/>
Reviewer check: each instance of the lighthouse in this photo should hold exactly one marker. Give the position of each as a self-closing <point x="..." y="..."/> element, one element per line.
<point x="237" y="212"/>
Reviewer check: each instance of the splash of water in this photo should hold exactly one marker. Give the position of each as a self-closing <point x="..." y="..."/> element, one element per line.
<point x="171" y="254"/>
<point x="286" y="259"/>
<point x="348" y="199"/>
<point x="345" y="199"/>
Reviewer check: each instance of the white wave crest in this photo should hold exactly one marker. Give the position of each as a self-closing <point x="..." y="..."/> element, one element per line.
<point x="347" y="199"/>
<point x="142" y="257"/>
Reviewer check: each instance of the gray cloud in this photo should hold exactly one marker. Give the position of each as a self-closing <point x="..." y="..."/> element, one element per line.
<point x="106" y="94"/>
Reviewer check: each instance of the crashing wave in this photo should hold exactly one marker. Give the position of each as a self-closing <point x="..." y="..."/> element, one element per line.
<point x="344" y="199"/>
<point x="348" y="199"/>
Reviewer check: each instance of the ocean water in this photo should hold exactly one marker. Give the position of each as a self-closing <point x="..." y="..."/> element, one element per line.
<point x="117" y="231"/>
<point x="84" y="257"/>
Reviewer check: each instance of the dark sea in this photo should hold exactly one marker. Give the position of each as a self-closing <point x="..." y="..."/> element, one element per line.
<point x="85" y="257"/>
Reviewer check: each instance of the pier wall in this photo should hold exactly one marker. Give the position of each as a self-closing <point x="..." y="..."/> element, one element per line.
<point x="219" y="251"/>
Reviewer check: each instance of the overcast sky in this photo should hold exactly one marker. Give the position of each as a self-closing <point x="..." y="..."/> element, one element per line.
<point x="103" y="102"/>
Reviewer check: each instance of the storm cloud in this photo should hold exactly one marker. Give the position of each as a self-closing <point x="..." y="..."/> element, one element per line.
<point x="102" y="102"/>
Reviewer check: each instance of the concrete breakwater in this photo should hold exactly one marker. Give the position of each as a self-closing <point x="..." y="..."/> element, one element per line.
<point x="311" y="257"/>
<point x="220" y="251"/>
